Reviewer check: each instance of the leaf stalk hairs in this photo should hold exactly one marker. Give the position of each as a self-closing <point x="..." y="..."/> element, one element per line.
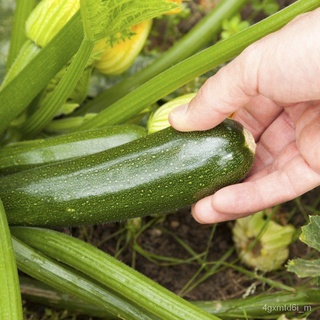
<point x="116" y="58"/>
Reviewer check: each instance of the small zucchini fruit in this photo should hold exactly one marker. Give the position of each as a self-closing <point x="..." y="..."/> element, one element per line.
<point x="162" y="172"/>
<point x="28" y="154"/>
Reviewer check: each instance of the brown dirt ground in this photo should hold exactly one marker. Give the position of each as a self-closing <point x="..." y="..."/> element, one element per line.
<point x="223" y="285"/>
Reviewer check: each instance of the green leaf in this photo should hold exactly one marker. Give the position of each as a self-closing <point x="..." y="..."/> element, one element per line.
<point x="311" y="236"/>
<point x="232" y="26"/>
<point x="115" y="16"/>
<point x="305" y="268"/>
<point x="267" y="6"/>
<point x="311" y="233"/>
<point x="10" y="300"/>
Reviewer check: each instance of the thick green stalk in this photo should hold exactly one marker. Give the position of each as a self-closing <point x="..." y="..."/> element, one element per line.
<point x="17" y="95"/>
<point x="49" y="107"/>
<point x="265" y="306"/>
<point x="198" y="64"/>
<point x="40" y="293"/>
<point x="18" y="36"/>
<point x="65" y="279"/>
<point x="112" y="273"/>
<point x="192" y="42"/>
<point x="10" y="298"/>
<point x="20" y="91"/>
<point x="27" y="52"/>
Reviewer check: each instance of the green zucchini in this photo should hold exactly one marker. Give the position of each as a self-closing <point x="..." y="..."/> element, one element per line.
<point x="162" y="172"/>
<point x="28" y="154"/>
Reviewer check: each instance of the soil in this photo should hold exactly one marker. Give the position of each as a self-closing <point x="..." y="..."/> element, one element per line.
<point x="158" y="240"/>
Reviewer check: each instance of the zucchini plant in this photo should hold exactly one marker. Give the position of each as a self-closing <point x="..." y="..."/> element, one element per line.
<point x="69" y="159"/>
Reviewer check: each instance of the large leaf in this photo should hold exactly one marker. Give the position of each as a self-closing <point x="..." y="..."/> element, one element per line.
<point x="311" y="236"/>
<point x="305" y="268"/>
<point x="113" y="16"/>
<point x="311" y="233"/>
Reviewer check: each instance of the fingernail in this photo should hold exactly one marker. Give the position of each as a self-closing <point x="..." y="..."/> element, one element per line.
<point x="179" y="111"/>
<point x="202" y="212"/>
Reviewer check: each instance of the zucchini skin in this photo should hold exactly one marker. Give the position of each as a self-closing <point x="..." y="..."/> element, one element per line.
<point x="162" y="172"/>
<point x="28" y="154"/>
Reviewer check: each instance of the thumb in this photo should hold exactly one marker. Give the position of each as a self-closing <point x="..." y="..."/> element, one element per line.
<point x="220" y="96"/>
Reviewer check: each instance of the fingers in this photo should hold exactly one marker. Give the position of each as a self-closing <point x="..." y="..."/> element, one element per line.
<point x="283" y="67"/>
<point x="283" y="170"/>
<point x="257" y="115"/>
<point x="274" y="144"/>
<point x="240" y="200"/>
<point x="220" y="96"/>
<point x="308" y="135"/>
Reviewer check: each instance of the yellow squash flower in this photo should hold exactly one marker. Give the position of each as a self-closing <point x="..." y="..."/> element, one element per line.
<point x="177" y="10"/>
<point x="116" y="59"/>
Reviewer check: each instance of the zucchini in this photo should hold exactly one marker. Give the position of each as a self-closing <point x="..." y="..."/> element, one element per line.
<point x="162" y="172"/>
<point x="28" y="154"/>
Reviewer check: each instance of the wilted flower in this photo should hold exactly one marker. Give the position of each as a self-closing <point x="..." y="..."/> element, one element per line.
<point x="114" y="59"/>
<point x="262" y="244"/>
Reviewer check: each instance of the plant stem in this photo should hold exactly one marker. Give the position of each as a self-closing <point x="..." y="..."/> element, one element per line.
<point x="191" y="43"/>
<point x="65" y="279"/>
<point x="22" y="89"/>
<point x="271" y="283"/>
<point x="49" y="107"/>
<point x="264" y="306"/>
<point x="10" y="300"/>
<point x="110" y="272"/>
<point x="40" y="293"/>
<point x="27" y="52"/>
<point x="196" y="65"/>
<point x="18" y="36"/>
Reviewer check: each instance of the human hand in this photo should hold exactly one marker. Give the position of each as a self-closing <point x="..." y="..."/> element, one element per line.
<point x="273" y="89"/>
